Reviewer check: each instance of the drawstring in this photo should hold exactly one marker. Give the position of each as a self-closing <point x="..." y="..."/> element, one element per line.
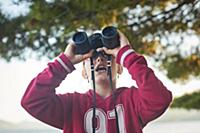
<point x="94" y="96"/>
<point x="111" y="87"/>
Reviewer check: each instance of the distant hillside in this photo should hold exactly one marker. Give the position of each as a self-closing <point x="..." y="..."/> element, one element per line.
<point x="187" y="101"/>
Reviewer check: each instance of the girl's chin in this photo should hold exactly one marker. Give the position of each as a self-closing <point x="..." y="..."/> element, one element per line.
<point x="101" y="78"/>
<point x="101" y="74"/>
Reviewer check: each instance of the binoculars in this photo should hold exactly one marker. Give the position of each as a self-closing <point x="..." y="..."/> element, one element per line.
<point x="109" y="38"/>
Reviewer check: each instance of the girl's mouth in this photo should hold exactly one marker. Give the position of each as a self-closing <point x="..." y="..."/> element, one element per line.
<point x="101" y="69"/>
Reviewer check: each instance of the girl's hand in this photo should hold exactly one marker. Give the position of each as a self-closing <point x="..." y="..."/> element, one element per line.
<point x="75" y="58"/>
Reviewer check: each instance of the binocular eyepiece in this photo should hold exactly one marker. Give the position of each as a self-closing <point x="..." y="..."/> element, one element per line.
<point x="109" y="38"/>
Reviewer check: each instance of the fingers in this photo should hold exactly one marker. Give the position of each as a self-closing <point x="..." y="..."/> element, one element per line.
<point x="123" y="39"/>
<point x="108" y="51"/>
<point x="88" y="55"/>
<point x="70" y="48"/>
<point x="99" y="49"/>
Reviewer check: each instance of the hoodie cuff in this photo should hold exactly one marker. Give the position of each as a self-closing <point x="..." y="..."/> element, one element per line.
<point x="64" y="61"/>
<point x="123" y="53"/>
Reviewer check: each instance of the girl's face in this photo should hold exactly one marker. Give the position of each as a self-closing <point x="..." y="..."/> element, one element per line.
<point x="100" y="68"/>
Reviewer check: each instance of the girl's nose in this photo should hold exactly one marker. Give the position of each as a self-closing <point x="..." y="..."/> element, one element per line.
<point x="99" y="59"/>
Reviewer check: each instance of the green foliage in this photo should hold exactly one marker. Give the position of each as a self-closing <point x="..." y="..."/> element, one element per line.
<point x="144" y="22"/>
<point x="181" y="68"/>
<point x="187" y="101"/>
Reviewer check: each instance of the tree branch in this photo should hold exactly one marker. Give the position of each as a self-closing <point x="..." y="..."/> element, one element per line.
<point x="164" y="13"/>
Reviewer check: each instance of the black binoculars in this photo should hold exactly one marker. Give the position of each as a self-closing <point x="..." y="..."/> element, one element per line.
<point x="109" y="38"/>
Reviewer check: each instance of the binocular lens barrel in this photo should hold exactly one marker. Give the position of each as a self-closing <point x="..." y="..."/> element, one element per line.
<point x="80" y="37"/>
<point x="81" y="42"/>
<point x="110" y="37"/>
<point x="109" y="32"/>
<point x="96" y="41"/>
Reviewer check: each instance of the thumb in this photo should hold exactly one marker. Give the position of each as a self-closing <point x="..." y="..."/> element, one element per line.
<point x="88" y="55"/>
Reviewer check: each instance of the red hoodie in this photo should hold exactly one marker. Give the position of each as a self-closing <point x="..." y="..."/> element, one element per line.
<point x="72" y="112"/>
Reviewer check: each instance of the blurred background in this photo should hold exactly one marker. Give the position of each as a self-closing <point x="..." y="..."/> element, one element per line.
<point x="166" y="32"/>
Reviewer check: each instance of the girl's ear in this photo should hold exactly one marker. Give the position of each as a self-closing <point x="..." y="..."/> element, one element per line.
<point x="119" y="69"/>
<point x="84" y="73"/>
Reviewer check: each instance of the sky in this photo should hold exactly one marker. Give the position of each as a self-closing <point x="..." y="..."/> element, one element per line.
<point x="12" y="10"/>
<point x="16" y="75"/>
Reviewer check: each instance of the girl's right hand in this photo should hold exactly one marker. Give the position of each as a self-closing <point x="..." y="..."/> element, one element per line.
<point x="75" y="58"/>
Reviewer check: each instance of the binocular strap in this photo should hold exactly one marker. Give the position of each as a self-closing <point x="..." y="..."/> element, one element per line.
<point x="111" y="87"/>
<point x="94" y="96"/>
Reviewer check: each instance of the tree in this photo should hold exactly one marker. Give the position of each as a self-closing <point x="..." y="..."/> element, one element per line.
<point x="155" y="28"/>
<point x="188" y="101"/>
